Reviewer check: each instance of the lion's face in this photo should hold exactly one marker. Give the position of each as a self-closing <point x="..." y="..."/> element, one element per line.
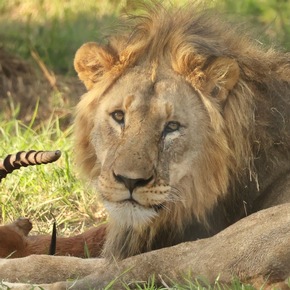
<point x="147" y="136"/>
<point x="151" y="135"/>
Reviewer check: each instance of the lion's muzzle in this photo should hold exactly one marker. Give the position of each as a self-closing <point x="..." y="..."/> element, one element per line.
<point x="130" y="183"/>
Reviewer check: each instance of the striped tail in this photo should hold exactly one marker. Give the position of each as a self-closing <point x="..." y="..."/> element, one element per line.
<point x="24" y="159"/>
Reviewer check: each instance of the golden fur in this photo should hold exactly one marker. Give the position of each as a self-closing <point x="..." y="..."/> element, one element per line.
<point x="240" y="91"/>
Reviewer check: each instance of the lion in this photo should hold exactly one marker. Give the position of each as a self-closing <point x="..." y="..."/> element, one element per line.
<point x="184" y="131"/>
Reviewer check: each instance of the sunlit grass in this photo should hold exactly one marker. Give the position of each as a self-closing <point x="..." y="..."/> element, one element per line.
<point x="45" y="192"/>
<point x="56" y="29"/>
<point x="188" y="284"/>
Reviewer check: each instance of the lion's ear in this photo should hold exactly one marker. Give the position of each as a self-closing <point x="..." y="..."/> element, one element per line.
<point x="92" y="61"/>
<point x="221" y="76"/>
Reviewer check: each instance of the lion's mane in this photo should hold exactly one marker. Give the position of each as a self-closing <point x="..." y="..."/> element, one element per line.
<point x="248" y="146"/>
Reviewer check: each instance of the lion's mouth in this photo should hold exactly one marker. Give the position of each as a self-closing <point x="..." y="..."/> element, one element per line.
<point x="134" y="203"/>
<point x="158" y="207"/>
<point x="131" y="201"/>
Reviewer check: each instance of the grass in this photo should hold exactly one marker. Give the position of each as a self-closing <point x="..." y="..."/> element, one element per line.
<point x="188" y="284"/>
<point x="269" y="18"/>
<point x="56" y="29"/>
<point x="48" y="191"/>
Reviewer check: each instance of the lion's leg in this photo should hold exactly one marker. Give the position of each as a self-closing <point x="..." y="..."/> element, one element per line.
<point x="254" y="249"/>
<point x="46" y="269"/>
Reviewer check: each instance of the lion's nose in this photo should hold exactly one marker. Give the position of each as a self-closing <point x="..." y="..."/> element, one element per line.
<point x="130" y="183"/>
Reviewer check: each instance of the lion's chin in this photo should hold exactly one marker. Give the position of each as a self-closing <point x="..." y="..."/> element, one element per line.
<point x="130" y="214"/>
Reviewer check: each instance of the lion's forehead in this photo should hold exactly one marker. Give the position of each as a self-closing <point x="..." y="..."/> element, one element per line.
<point x="167" y="95"/>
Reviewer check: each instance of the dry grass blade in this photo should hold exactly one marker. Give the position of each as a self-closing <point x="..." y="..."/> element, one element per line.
<point x="49" y="75"/>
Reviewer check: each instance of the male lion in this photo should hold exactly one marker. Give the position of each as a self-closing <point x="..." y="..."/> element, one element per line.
<point x="184" y="130"/>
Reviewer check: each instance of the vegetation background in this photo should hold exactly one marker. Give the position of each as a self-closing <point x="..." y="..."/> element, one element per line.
<point x="55" y="29"/>
<point x="39" y="88"/>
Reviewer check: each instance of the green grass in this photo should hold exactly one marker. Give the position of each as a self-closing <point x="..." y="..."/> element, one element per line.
<point x="188" y="284"/>
<point x="56" y="29"/>
<point x="269" y="18"/>
<point x="47" y="191"/>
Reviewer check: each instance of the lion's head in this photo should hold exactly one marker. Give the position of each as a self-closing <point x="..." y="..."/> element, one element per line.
<point x="167" y="128"/>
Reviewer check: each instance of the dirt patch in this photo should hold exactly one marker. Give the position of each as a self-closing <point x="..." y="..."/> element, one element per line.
<point x="23" y="85"/>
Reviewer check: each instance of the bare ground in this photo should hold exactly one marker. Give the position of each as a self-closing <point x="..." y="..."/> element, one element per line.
<point x="23" y="84"/>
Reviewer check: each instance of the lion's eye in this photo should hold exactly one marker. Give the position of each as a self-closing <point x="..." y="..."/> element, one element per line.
<point x="171" y="127"/>
<point x="118" y="116"/>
